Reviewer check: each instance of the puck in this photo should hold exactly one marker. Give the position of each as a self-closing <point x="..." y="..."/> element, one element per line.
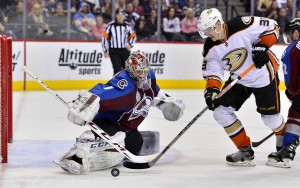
<point x="115" y="172"/>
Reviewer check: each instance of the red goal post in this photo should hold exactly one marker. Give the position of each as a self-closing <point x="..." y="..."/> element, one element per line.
<point x="6" y="95"/>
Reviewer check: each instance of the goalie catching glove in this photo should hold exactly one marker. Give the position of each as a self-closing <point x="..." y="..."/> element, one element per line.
<point x="171" y="107"/>
<point x="260" y="55"/>
<point x="84" y="108"/>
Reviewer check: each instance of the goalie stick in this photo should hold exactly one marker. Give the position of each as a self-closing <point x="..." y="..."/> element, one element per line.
<point x="132" y="165"/>
<point x="96" y="129"/>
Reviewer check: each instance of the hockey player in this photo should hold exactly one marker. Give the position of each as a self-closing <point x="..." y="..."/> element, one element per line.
<point x="234" y="46"/>
<point x="291" y="67"/>
<point x="118" y="107"/>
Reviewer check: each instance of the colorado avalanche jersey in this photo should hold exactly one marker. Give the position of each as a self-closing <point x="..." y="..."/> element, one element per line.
<point x="291" y="68"/>
<point x="235" y="53"/>
<point x="122" y="101"/>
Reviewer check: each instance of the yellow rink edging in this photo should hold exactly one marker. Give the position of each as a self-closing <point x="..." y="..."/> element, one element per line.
<point x="87" y="84"/>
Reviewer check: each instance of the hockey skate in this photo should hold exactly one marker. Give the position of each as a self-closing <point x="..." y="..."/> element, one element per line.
<point x="244" y="157"/>
<point x="284" y="157"/>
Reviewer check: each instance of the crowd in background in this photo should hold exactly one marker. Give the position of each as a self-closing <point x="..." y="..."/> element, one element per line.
<point x="47" y="19"/>
<point x="279" y="10"/>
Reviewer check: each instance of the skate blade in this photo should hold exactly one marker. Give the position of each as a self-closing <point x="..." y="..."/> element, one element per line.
<point x="242" y="164"/>
<point x="286" y="163"/>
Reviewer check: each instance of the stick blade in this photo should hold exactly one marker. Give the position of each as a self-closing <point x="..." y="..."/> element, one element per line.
<point x="131" y="165"/>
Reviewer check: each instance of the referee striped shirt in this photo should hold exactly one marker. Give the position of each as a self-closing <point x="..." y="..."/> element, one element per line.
<point x="117" y="36"/>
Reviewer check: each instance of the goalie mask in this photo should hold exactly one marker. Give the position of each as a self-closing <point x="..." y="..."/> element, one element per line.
<point x="207" y="21"/>
<point x="138" y="67"/>
<point x="290" y="27"/>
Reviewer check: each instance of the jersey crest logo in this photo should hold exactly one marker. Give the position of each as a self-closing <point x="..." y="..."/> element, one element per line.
<point x="122" y="83"/>
<point x="246" y="19"/>
<point x="235" y="59"/>
<point x="141" y="109"/>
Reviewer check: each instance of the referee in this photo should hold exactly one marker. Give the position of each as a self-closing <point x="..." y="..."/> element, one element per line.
<point x="117" y="41"/>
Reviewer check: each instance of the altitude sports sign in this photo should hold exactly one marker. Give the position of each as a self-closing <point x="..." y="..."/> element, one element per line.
<point x="80" y="65"/>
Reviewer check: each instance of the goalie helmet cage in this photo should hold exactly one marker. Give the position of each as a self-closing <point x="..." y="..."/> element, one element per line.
<point x="6" y="95"/>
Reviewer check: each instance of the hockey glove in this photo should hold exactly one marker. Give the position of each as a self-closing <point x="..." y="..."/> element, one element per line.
<point x="211" y="98"/>
<point x="84" y="108"/>
<point x="260" y="55"/>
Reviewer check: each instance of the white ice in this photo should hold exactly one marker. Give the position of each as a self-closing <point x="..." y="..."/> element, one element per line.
<point x="42" y="133"/>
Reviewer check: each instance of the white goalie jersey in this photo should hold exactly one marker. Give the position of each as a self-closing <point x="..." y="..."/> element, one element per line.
<point x="235" y="54"/>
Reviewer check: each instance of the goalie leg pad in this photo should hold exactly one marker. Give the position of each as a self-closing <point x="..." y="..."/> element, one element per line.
<point x="74" y="161"/>
<point x="92" y="155"/>
<point x="171" y="107"/>
<point x="151" y="143"/>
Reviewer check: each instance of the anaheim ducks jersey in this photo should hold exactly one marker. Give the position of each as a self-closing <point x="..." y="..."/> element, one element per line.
<point x="235" y="54"/>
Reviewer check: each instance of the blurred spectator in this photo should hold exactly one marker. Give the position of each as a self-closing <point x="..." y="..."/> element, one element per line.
<point x="58" y="22"/>
<point x="130" y="16"/>
<point x="141" y="30"/>
<point x="151" y="6"/>
<point x="192" y="4"/>
<point x="15" y="20"/>
<point x="120" y="4"/>
<point x="106" y="10"/>
<point x="297" y="14"/>
<point x="262" y="6"/>
<point x="137" y="8"/>
<point x="189" y="25"/>
<point x="30" y="4"/>
<point x="93" y="4"/>
<point x="151" y="22"/>
<point x="282" y="21"/>
<point x="51" y="6"/>
<point x="289" y="9"/>
<point x="99" y="29"/>
<point x="171" y="25"/>
<point x="281" y="3"/>
<point x="84" y="21"/>
<point x="144" y="3"/>
<point x="175" y="4"/>
<point x="181" y="3"/>
<point x="3" y="21"/>
<point x="65" y="5"/>
<point x="37" y="27"/>
<point x="272" y="12"/>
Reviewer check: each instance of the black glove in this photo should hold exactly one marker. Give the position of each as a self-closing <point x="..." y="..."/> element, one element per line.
<point x="260" y="55"/>
<point x="211" y="99"/>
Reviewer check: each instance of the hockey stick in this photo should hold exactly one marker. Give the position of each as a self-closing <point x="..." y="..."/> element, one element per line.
<point x="256" y="144"/>
<point x="95" y="128"/>
<point x="132" y="165"/>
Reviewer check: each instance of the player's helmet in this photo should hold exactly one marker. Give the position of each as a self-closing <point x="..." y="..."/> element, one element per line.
<point x="290" y="28"/>
<point x="138" y="66"/>
<point x="208" y="20"/>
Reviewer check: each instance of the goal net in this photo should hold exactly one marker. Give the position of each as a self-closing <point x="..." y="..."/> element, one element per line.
<point x="5" y="95"/>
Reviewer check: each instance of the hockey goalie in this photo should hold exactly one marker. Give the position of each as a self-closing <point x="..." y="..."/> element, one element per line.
<point x="118" y="107"/>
